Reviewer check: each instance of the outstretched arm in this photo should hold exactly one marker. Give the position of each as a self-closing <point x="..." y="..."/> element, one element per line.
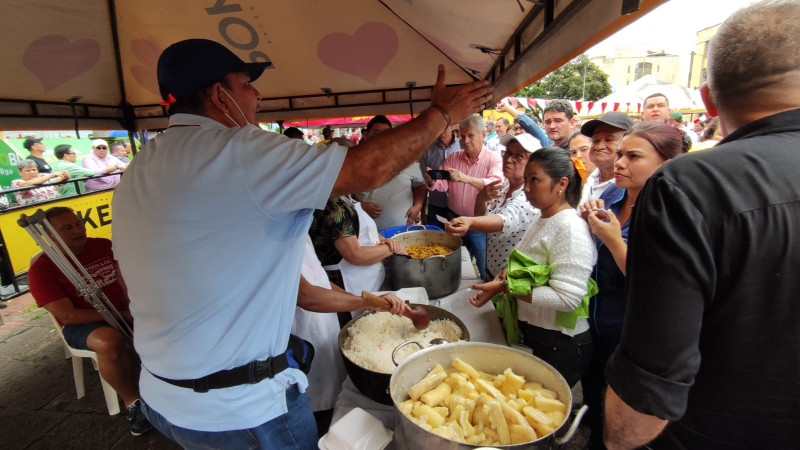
<point x="376" y="160"/>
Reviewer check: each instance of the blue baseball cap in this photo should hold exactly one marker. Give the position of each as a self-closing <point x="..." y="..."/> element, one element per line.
<point x="186" y="67"/>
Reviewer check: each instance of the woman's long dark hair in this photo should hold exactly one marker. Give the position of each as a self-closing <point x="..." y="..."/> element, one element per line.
<point x="556" y="163"/>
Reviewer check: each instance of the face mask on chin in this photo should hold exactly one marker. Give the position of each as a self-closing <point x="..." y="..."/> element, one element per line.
<point x="237" y="107"/>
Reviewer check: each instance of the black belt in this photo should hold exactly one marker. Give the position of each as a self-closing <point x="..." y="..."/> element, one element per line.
<point x="253" y="372"/>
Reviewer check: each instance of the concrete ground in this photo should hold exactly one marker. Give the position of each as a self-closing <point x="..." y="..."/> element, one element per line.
<point x="39" y="408"/>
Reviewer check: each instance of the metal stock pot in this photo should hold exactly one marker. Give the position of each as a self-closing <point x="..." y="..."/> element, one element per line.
<point x="489" y="358"/>
<point x="375" y="385"/>
<point x="439" y="275"/>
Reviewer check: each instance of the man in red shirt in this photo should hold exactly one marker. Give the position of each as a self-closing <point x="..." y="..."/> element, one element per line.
<point x="83" y="326"/>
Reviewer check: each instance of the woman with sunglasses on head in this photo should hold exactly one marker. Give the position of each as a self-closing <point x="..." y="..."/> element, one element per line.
<point x="549" y="269"/>
<point x="645" y="148"/>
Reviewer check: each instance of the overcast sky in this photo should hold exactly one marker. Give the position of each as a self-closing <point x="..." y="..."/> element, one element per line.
<point x="672" y="27"/>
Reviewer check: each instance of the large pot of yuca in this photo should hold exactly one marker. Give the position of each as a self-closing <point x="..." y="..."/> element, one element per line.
<point x="469" y="394"/>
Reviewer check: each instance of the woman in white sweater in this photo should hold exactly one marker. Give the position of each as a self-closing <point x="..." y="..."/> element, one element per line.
<point x="550" y="267"/>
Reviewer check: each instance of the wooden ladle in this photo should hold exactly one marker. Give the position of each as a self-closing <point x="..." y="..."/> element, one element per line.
<point x="418" y="315"/>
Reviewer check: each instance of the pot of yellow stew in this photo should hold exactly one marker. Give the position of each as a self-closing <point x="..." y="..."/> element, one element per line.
<point x="467" y="395"/>
<point x="434" y="262"/>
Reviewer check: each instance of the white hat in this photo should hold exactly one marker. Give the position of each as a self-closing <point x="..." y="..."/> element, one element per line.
<point x="97" y="142"/>
<point x="528" y="142"/>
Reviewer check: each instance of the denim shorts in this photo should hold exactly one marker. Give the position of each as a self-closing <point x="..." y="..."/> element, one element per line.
<point x="76" y="334"/>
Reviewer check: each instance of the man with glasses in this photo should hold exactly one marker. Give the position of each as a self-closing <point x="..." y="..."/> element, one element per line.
<point x="101" y="163"/>
<point x="67" y="157"/>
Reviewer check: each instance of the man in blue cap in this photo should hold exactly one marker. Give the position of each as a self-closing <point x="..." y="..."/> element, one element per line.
<point x="209" y="227"/>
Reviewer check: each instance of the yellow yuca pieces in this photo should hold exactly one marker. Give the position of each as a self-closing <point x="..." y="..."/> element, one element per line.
<point x="491" y="436"/>
<point x="557" y="416"/>
<point x="406" y="407"/>
<point x="521" y="433"/>
<point x="547" y="393"/>
<point x="537" y="416"/>
<point x="532" y="385"/>
<point x="468" y="405"/>
<point x="480" y="415"/>
<point x="498" y="421"/>
<point x="476" y="439"/>
<point x="465" y="368"/>
<point x="512" y="383"/>
<point x="427" y="414"/>
<point x="465" y="389"/>
<point x="430" y="381"/>
<point x="541" y="422"/>
<point x="450" y="431"/>
<point x="463" y="420"/>
<point x="435" y="396"/>
<point x="545" y="404"/>
<point x="517" y="403"/>
<point x="526" y="394"/>
<point x="455" y="380"/>
<point x="513" y="416"/>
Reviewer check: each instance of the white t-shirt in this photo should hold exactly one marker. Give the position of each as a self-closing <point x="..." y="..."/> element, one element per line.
<point x="493" y="144"/>
<point x="517" y="215"/>
<point x="564" y="242"/>
<point x="322" y="330"/>
<point x="395" y="197"/>
<point x="593" y="188"/>
<point x="209" y="227"/>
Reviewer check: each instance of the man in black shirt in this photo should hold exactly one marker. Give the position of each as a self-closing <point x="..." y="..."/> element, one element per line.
<point x="36" y="149"/>
<point x="710" y="348"/>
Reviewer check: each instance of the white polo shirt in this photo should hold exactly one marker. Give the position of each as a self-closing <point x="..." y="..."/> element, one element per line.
<point x="209" y="225"/>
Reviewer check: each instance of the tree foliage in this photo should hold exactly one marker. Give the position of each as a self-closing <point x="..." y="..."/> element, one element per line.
<point x="567" y="82"/>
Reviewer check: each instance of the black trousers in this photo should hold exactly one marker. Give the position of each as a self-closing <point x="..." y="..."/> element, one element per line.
<point x="570" y="356"/>
<point x="593" y="383"/>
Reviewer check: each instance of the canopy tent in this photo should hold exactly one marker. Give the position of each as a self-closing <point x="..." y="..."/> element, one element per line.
<point x="91" y="63"/>
<point x="631" y="97"/>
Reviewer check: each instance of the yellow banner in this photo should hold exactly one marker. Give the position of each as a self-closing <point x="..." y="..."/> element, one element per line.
<point x="93" y="209"/>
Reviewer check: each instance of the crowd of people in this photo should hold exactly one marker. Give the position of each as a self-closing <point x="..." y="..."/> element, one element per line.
<point x="660" y="280"/>
<point x="54" y="181"/>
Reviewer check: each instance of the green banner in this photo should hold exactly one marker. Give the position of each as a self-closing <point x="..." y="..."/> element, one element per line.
<point x="12" y="152"/>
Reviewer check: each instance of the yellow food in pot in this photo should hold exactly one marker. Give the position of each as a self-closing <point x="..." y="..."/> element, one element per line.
<point x="427" y="250"/>
<point x="469" y="406"/>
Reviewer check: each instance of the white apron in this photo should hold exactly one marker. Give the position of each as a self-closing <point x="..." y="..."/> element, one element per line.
<point x="322" y="330"/>
<point x="362" y="278"/>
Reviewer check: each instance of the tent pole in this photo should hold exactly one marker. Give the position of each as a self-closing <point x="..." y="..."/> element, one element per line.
<point x="128" y="114"/>
<point x="411" y="85"/>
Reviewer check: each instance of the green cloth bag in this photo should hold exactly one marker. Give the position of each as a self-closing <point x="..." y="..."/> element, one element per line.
<point x="523" y="274"/>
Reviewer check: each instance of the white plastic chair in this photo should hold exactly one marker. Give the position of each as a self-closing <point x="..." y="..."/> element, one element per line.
<point x="112" y="403"/>
<point x="77" y="371"/>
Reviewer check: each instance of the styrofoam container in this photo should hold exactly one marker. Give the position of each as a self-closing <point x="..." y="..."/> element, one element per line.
<point x="357" y="430"/>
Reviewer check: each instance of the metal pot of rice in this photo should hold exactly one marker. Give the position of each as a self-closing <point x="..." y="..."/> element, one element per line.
<point x="437" y="266"/>
<point x="367" y="342"/>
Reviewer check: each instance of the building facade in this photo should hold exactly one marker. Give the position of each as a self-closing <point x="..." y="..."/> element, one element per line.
<point x="631" y="63"/>
<point x="698" y="62"/>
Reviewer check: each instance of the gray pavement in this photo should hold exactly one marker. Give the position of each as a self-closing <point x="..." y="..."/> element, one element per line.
<point x="39" y="408"/>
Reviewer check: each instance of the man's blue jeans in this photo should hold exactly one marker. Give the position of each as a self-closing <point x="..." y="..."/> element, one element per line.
<point x="476" y="244"/>
<point x="293" y="430"/>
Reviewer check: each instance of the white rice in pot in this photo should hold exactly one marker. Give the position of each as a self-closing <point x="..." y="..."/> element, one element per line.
<point x="371" y="340"/>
